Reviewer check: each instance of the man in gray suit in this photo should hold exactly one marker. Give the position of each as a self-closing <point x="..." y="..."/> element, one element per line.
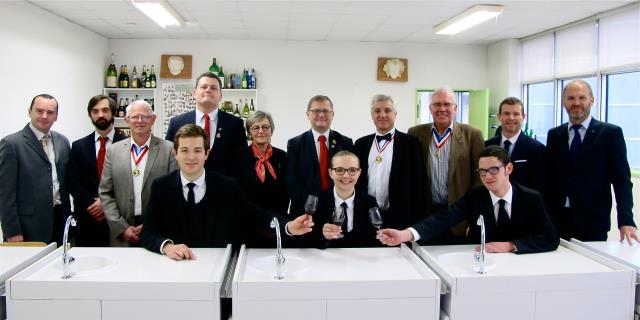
<point x="129" y="168"/>
<point x="34" y="201"/>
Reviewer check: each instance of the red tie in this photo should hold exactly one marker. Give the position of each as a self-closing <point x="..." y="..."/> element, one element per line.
<point x="324" y="157"/>
<point x="207" y="124"/>
<point x="101" y="154"/>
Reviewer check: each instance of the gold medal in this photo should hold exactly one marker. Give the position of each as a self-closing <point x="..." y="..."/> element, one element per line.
<point x="378" y="159"/>
<point x="437" y="154"/>
<point x="136" y="171"/>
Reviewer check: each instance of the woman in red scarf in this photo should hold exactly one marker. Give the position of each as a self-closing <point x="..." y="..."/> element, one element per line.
<point x="260" y="170"/>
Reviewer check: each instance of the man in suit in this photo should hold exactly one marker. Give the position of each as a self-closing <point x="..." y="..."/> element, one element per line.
<point x="308" y="154"/>
<point x="514" y="216"/>
<point x="130" y="167"/>
<point x="528" y="156"/>
<point x="356" y="229"/>
<point x="197" y="207"/>
<point x="393" y="167"/>
<point x="85" y="170"/>
<point x="586" y="157"/>
<point x="225" y="131"/>
<point x="34" y="201"/>
<point x="451" y="158"/>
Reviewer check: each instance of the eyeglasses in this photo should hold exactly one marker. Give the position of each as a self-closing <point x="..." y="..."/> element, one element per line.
<point x="265" y="128"/>
<point x="340" y="171"/>
<point x="440" y="105"/>
<point x="319" y="111"/>
<point x="492" y="170"/>
<point x="140" y="118"/>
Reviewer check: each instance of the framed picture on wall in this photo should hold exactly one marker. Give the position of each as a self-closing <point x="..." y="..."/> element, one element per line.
<point x="175" y="66"/>
<point x="393" y="69"/>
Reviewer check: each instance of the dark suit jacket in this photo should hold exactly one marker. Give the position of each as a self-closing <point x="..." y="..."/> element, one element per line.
<point x="230" y="136"/>
<point x="602" y="162"/>
<point x="228" y="217"/>
<point x="83" y="184"/>
<point x="529" y="159"/>
<point x="303" y="168"/>
<point x="363" y="233"/>
<point x="26" y="204"/>
<point x="407" y="180"/>
<point x="531" y="228"/>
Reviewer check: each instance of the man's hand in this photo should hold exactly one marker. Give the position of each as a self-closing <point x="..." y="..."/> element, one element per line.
<point x="498" y="247"/>
<point x="331" y="231"/>
<point x="300" y="225"/>
<point x="628" y="233"/>
<point x="95" y="210"/>
<point x="393" y="237"/>
<point x="16" y="238"/>
<point x="178" y="252"/>
<point x="130" y="235"/>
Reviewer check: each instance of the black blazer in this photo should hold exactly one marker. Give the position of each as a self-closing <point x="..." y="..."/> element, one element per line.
<point x="229" y="216"/>
<point x="602" y="162"/>
<point x="303" y="168"/>
<point x="230" y="136"/>
<point x="407" y="180"/>
<point x="363" y="233"/>
<point x="83" y="181"/>
<point x="529" y="159"/>
<point x="531" y="228"/>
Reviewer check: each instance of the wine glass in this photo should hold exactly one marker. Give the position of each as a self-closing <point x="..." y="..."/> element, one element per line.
<point x="311" y="205"/>
<point x="376" y="219"/>
<point x="338" y="217"/>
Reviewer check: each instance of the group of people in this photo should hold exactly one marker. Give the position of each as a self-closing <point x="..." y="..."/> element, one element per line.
<point x="203" y="186"/>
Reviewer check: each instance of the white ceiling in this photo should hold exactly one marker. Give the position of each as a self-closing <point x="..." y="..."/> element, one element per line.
<point x="380" y="21"/>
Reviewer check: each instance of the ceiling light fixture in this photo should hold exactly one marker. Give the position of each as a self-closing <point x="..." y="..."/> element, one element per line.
<point x="160" y="12"/>
<point x="469" y="18"/>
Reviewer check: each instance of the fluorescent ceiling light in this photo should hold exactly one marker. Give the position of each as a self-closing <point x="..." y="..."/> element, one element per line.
<point x="469" y="18"/>
<point x="160" y="12"/>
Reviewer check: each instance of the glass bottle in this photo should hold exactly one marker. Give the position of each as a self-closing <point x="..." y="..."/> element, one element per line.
<point x="112" y="75"/>
<point x="214" y="68"/>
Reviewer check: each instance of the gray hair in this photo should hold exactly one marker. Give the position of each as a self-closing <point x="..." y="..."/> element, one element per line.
<point x="140" y="103"/>
<point x="381" y="98"/>
<point x="257" y="117"/>
<point x="445" y="90"/>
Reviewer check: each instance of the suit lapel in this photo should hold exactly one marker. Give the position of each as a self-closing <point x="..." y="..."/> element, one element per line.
<point x="310" y="153"/>
<point x="123" y="156"/>
<point x="335" y="144"/>
<point x="456" y="142"/>
<point x="594" y="129"/>
<point x="427" y="136"/>
<point x="518" y="147"/>
<point x="219" y="129"/>
<point x="152" y="155"/>
<point x="57" y="147"/>
<point x="33" y="143"/>
<point x="90" y="153"/>
<point x="515" y="207"/>
<point x="489" y="215"/>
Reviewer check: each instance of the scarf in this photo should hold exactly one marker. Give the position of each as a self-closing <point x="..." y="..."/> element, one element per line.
<point x="262" y="160"/>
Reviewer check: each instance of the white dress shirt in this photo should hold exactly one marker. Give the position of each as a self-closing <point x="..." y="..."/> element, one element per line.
<point x="316" y="135"/>
<point x="582" y="131"/>
<point x="198" y="191"/>
<point x="379" y="173"/>
<point x="96" y="139"/>
<point x="512" y="140"/>
<point x="213" y="124"/>
<point x="137" y="180"/>
<point x="54" y="170"/>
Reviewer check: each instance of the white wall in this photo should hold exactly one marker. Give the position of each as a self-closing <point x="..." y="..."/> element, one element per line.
<point x="42" y="53"/>
<point x="504" y="74"/>
<point x="289" y="73"/>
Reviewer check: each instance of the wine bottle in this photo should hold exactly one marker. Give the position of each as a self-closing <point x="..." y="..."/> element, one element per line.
<point x="221" y="77"/>
<point x="252" y="108"/>
<point x="244" y="79"/>
<point x="152" y="77"/>
<point x="135" y="81"/>
<point x="143" y="80"/>
<point x="147" y="82"/>
<point x="214" y="68"/>
<point x="236" y="112"/>
<point x="121" y="109"/>
<point x="112" y="75"/>
<point x="246" y="111"/>
<point x="121" y="77"/>
<point x="125" y="78"/>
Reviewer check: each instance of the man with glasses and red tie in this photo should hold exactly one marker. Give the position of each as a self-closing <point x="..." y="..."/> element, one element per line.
<point x="308" y="154"/>
<point x="393" y="167"/>
<point x="85" y="170"/>
<point x="130" y="167"/>
<point x="226" y="132"/>
<point x="515" y="217"/>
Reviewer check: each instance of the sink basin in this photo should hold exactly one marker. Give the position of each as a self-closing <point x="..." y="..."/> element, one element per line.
<point x="83" y="264"/>
<point x="465" y="260"/>
<point x="268" y="265"/>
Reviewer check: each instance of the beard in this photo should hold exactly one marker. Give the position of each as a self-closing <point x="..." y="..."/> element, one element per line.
<point x="102" y="123"/>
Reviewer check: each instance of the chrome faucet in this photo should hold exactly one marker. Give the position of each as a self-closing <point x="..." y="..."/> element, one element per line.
<point x="66" y="257"/>
<point x="480" y="254"/>
<point x="279" y="256"/>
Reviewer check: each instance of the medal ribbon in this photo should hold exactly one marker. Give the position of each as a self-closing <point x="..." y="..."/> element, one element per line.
<point x="138" y="154"/>
<point x="441" y="139"/>
<point x="384" y="145"/>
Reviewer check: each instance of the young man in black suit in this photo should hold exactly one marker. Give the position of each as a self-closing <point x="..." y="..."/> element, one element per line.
<point x="514" y="216"/>
<point x="85" y="169"/>
<point x="356" y="229"/>
<point x="226" y="132"/>
<point x="392" y="167"/>
<point x="587" y="157"/>
<point x="308" y="154"/>
<point x="194" y="207"/>
<point x="528" y="156"/>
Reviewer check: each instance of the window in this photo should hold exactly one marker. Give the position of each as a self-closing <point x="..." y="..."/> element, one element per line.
<point x="540" y="105"/>
<point x="593" y="83"/>
<point x="462" y="115"/>
<point x="623" y="109"/>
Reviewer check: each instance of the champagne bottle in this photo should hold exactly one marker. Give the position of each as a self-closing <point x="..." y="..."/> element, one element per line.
<point x="236" y="112"/>
<point x="135" y="81"/>
<point x="252" y="108"/>
<point x="244" y="79"/>
<point x="121" y="77"/>
<point x="214" y="68"/>
<point x="121" y="109"/>
<point x="112" y="75"/>
<point x="143" y="80"/>
<point x="152" y="77"/>
<point x="125" y="78"/>
<point x="221" y="77"/>
<point x="246" y="111"/>
<point x="147" y="82"/>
